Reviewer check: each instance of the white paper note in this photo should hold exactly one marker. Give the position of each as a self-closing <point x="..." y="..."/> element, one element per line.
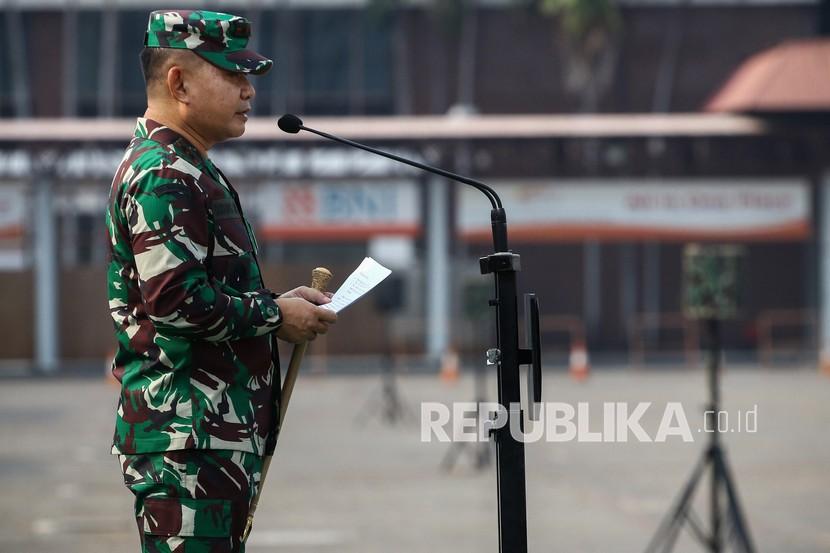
<point x="368" y="274"/>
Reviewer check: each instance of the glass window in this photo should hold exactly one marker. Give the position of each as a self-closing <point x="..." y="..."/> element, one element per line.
<point x="264" y="30"/>
<point x="89" y="55"/>
<point x="377" y="67"/>
<point x="346" y="61"/>
<point x="15" y="31"/>
<point x="6" y="101"/>
<point x="326" y="58"/>
<point x="131" y="100"/>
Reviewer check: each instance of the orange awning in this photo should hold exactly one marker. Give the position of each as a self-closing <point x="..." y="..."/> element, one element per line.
<point x="791" y="77"/>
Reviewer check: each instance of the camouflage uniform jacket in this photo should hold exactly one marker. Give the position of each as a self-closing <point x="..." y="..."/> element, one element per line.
<point x="196" y="355"/>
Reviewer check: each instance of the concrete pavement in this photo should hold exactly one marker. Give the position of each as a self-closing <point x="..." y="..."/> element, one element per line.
<point x="338" y="484"/>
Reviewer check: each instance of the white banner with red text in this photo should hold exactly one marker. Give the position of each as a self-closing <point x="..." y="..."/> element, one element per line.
<point x="652" y="209"/>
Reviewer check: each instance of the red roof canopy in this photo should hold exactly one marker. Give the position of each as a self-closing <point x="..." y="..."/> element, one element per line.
<point x="793" y="76"/>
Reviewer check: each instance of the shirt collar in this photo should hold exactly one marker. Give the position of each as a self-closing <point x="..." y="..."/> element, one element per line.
<point x="155" y="131"/>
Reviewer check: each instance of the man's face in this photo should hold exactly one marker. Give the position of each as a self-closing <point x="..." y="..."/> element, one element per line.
<point x="220" y="102"/>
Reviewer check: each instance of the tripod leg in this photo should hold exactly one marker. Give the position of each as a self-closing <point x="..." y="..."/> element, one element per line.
<point x="670" y="526"/>
<point x="673" y="531"/>
<point x="397" y="408"/>
<point x="716" y="539"/>
<point x="373" y="402"/>
<point x="455" y="450"/>
<point x="735" y="512"/>
<point x="696" y="527"/>
<point x="482" y="455"/>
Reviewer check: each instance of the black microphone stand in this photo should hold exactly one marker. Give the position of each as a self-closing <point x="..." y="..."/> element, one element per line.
<point x="507" y="356"/>
<point x="722" y="480"/>
<point x="510" y="453"/>
<point x="711" y="275"/>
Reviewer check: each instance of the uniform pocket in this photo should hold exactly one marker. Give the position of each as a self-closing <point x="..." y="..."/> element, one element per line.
<point x="178" y="516"/>
<point x="231" y="236"/>
<point x="230" y="232"/>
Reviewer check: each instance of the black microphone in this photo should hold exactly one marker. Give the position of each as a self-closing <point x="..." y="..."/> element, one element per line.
<point x="292" y="124"/>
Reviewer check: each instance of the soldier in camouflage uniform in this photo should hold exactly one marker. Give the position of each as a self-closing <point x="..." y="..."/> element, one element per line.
<point x="195" y="325"/>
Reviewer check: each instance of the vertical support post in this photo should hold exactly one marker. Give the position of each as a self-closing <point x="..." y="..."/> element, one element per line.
<point x="356" y="64"/>
<point x="438" y="274"/>
<point x="592" y="295"/>
<point x="17" y="56"/>
<point x="70" y="60"/>
<point x="651" y="286"/>
<point x="510" y="453"/>
<point x="45" y="270"/>
<point x="824" y="272"/>
<point x="467" y="56"/>
<point x="107" y="69"/>
<point x="282" y="43"/>
<point x="713" y="331"/>
<point x="628" y="284"/>
<point x="402" y="76"/>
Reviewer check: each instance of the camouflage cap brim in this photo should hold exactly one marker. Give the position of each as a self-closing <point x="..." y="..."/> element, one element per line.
<point x="241" y="61"/>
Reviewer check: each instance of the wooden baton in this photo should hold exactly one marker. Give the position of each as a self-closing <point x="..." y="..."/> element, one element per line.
<point x="319" y="281"/>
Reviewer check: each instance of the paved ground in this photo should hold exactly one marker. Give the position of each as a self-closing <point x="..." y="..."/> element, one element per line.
<point x="348" y="486"/>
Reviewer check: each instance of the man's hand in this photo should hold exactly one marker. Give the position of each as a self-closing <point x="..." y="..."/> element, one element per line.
<point x="302" y="320"/>
<point x="314" y="296"/>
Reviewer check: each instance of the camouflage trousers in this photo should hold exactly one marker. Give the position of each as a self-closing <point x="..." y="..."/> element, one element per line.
<point x="192" y="501"/>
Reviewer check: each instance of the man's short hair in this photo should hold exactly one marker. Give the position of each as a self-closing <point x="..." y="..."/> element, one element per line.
<point x="152" y="63"/>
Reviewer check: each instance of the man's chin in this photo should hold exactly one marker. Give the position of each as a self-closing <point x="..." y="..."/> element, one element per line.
<point x="236" y="130"/>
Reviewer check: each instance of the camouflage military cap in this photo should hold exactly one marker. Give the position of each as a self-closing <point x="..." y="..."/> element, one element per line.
<point x="219" y="38"/>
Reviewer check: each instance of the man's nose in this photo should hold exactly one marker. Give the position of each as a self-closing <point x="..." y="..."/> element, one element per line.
<point x="248" y="90"/>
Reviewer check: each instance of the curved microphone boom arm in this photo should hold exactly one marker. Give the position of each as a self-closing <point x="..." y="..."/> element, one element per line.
<point x="292" y="124"/>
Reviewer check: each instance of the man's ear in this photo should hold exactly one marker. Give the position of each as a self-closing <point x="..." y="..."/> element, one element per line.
<point x="177" y="84"/>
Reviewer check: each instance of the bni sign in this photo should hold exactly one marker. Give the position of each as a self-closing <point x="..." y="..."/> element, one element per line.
<point x="339" y="210"/>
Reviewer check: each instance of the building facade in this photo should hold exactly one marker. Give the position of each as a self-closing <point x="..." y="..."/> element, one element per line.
<point x="351" y="66"/>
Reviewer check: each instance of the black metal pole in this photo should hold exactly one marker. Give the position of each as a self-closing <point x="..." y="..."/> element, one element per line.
<point x="713" y="331"/>
<point x="510" y="455"/>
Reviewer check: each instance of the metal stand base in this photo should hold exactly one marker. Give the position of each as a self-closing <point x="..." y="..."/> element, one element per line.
<point x="722" y="482"/>
<point x="386" y="402"/>
<point x="481" y="452"/>
<point x="682" y="512"/>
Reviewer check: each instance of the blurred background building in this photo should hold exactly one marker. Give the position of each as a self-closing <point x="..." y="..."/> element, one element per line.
<point x="615" y="131"/>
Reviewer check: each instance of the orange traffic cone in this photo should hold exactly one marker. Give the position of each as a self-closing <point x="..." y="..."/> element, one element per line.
<point x="824" y="363"/>
<point x="449" y="366"/>
<point x="579" y="365"/>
